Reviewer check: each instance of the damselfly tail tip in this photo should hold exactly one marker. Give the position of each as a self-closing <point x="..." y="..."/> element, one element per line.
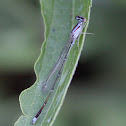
<point x="34" y="120"/>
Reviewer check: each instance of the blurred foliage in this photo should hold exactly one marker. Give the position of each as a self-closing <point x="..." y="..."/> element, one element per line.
<point x="100" y="74"/>
<point x="92" y="108"/>
<point x="20" y="35"/>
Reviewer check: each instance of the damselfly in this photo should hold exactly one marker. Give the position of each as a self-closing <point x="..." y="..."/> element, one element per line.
<point x="58" y="67"/>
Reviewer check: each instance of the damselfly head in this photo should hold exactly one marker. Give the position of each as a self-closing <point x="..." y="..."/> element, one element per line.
<point x="82" y="19"/>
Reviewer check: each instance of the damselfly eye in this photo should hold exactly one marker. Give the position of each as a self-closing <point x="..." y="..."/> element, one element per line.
<point x="77" y="17"/>
<point x="80" y="18"/>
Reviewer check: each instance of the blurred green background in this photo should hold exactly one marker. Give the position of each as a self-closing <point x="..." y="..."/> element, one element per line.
<point x="97" y="93"/>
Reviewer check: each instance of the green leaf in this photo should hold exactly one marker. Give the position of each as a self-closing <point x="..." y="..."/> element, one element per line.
<point x="59" y="19"/>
